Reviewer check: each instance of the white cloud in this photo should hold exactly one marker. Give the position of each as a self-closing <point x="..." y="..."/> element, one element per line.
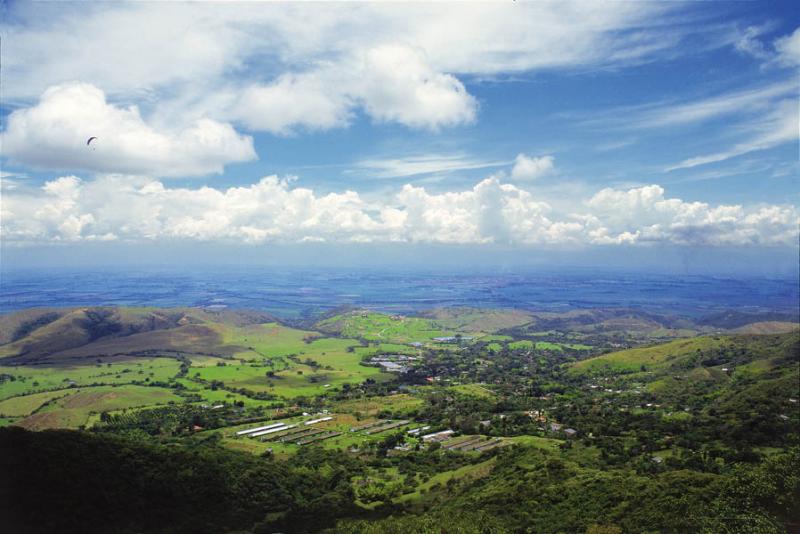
<point x="530" y="167"/>
<point x="422" y="164"/>
<point x="125" y="47"/>
<point x="749" y="44"/>
<point x="749" y="101"/>
<point x="644" y="215"/>
<point x="779" y="126"/>
<point x="389" y="83"/>
<point x="308" y="101"/>
<point x="788" y="49"/>
<point x="401" y="86"/>
<point x="279" y="67"/>
<point x="785" y="51"/>
<point x="53" y="135"/>
<point x="136" y="208"/>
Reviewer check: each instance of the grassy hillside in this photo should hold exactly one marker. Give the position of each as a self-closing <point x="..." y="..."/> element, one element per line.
<point x="708" y="351"/>
<point x="477" y="319"/>
<point x="73" y="334"/>
<point x="381" y="327"/>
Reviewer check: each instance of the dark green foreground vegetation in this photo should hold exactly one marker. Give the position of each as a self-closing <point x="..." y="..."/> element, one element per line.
<point x="66" y="481"/>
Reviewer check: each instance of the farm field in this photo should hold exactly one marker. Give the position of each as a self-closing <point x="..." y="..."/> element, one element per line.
<point x="73" y="411"/>
<point x="30" y="379"/>
<point x="398" y="404"/>
<point x="26" y="404"/>
<point x="384" y="328"/>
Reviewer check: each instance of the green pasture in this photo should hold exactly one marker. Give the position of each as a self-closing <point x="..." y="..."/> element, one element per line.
<point x="466" y="473"/>
<point x="74" y="410"/>
<point x="265" y="340"/>
<point x="35" y="379"/>
<point x="538" y="442"/>
<point x="26" y="404"/>
<point x="399" y="404"/>
<point x="383" y="328"/>
<point x="333" y="366"/>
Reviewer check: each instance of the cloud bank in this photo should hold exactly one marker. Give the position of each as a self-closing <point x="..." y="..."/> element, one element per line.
<point x="143" y="209"/>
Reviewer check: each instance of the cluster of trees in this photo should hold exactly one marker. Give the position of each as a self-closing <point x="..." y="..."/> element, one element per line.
<point x="66" y="481"/>
<point x="533" y="491"/>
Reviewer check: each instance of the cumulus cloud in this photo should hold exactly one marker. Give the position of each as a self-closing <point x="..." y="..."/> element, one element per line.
<point x="273" y="210"/>
<point x="53" y="135"/>
<point x="401" y="86"/>
<point x="389" y="83"/>
<point x="531" y="167"/>
<point x="644" y="214"/>
<point x="311" y="100"/>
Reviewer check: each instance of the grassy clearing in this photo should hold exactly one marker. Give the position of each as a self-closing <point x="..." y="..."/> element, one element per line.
<point x="474" y="390"/>
<point x="478" y="320"/>
<point x="29" y="379"/>
<point x="549" y="444"/>
<point x="399" y="404"/>
<point x="465" y="473"/>
<point x="25" y="405"/>
<point x="210" y="396"/>
<point x="265" y="340"/>
<point x="383" y="328"/>
<point x="633" y="359"/>
<point x="206" y="361"/>
<point x="74" y="410"/>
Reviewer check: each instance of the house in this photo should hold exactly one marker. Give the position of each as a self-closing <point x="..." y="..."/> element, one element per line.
<point x="570" y="432"/>
<point x="555" y="427"/>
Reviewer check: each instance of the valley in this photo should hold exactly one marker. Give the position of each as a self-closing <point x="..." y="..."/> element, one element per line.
<point x="427" y="412"/>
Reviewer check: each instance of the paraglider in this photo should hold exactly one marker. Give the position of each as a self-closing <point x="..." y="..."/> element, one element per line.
<point x="89" y="141"/>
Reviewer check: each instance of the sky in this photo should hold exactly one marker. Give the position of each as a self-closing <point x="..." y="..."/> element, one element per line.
<point x="522" y="130"/>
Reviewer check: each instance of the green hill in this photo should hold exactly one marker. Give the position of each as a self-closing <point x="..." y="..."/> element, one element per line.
<point x="46" y="336"/>
<point x="684" y="354"/>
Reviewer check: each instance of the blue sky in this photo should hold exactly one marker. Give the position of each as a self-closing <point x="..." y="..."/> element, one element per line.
<point x="535" y="126"/>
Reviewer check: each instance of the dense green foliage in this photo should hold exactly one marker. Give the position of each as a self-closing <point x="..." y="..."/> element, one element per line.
<point x="66" y="481"/>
